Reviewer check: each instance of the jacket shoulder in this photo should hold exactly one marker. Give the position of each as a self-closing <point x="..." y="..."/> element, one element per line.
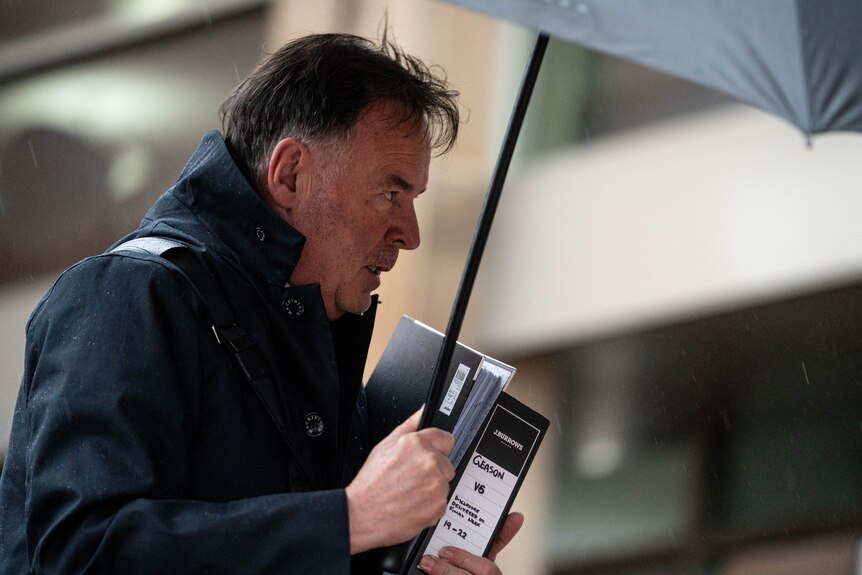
<point x="115" y="283"/>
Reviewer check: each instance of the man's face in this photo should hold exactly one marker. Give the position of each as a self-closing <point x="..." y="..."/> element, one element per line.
<point x="356" y="208"/>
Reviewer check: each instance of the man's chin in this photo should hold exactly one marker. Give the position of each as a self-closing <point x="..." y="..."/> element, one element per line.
<point x="356" y="306"/>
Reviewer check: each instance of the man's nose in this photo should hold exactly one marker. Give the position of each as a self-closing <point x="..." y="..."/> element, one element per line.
<point x="404" y="233"/>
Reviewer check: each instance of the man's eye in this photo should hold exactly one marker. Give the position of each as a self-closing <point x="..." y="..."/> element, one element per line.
<point x="389" y="196"/>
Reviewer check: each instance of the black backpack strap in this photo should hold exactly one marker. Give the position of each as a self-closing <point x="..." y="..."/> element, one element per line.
<point x="227" y="333"/>
<point x="231" y="336"/>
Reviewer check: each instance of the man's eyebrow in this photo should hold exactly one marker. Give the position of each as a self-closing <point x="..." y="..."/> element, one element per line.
<point x="399" y="182"/>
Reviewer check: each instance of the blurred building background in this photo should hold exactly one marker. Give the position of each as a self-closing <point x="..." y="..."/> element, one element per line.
<point x="678" y="278"/>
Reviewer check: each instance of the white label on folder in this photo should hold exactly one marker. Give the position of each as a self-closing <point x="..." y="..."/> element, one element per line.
<point x="455" y="389"/>
<point x="483" y="491"/>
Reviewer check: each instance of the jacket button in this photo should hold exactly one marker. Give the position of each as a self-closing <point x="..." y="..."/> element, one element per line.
<point x="313" y="425"/>
<point x="261" y="235"/>
<point x="292" y="307"/>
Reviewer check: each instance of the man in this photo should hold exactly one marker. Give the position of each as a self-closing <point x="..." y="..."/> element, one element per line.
<point x="140" y="445"/>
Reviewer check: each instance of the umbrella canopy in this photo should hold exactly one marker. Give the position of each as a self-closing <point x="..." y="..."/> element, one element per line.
<point x="799" y="59"/>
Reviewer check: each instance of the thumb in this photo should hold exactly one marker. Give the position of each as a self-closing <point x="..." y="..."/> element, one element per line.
<point x="510" y="528"/>
<point x="409" y="425"/>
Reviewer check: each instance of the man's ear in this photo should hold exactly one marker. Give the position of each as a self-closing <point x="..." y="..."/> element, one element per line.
<point x="289" y="158"/>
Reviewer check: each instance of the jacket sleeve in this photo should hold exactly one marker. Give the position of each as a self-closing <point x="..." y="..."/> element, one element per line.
<point x="113" y="380"/>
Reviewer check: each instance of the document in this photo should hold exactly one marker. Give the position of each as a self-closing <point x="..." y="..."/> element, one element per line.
<point x="487" y="480"/>
<point x="496" y="436"/>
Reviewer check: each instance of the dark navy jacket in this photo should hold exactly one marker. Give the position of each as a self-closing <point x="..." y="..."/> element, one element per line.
<point x="137" y="448"/>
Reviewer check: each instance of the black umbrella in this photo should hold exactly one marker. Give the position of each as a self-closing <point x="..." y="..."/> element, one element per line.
<point x="799" y="59"/>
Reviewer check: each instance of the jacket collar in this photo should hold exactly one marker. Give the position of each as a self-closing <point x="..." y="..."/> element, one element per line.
<point x="235" y="220"/>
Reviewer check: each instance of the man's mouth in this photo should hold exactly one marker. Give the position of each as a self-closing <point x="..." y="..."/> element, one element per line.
<point x="385" y="261"/>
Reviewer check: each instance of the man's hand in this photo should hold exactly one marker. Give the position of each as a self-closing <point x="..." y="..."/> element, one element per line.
<point x="454" y="561"/>
<point x="402" y="488"/>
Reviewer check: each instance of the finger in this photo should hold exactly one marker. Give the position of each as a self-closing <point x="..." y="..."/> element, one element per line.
<point x="409" y="425"/>
<point x="511" y="526"/>
<point x="436" y="566"/>
<point x="454" y="561"/>
<point x="445" y="467"/>
<point x="437" y="439"/>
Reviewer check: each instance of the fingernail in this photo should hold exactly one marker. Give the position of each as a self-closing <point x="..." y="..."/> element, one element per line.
<point x="446" y="553"/>
<point x="427" y="562"/>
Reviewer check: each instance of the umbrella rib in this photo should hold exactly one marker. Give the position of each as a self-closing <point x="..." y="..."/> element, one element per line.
<point x="809" y="127"/>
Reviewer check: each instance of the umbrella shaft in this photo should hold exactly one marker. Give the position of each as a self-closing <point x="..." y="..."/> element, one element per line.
<point x="401" y="555"/>
<point x="492" y="199"/>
